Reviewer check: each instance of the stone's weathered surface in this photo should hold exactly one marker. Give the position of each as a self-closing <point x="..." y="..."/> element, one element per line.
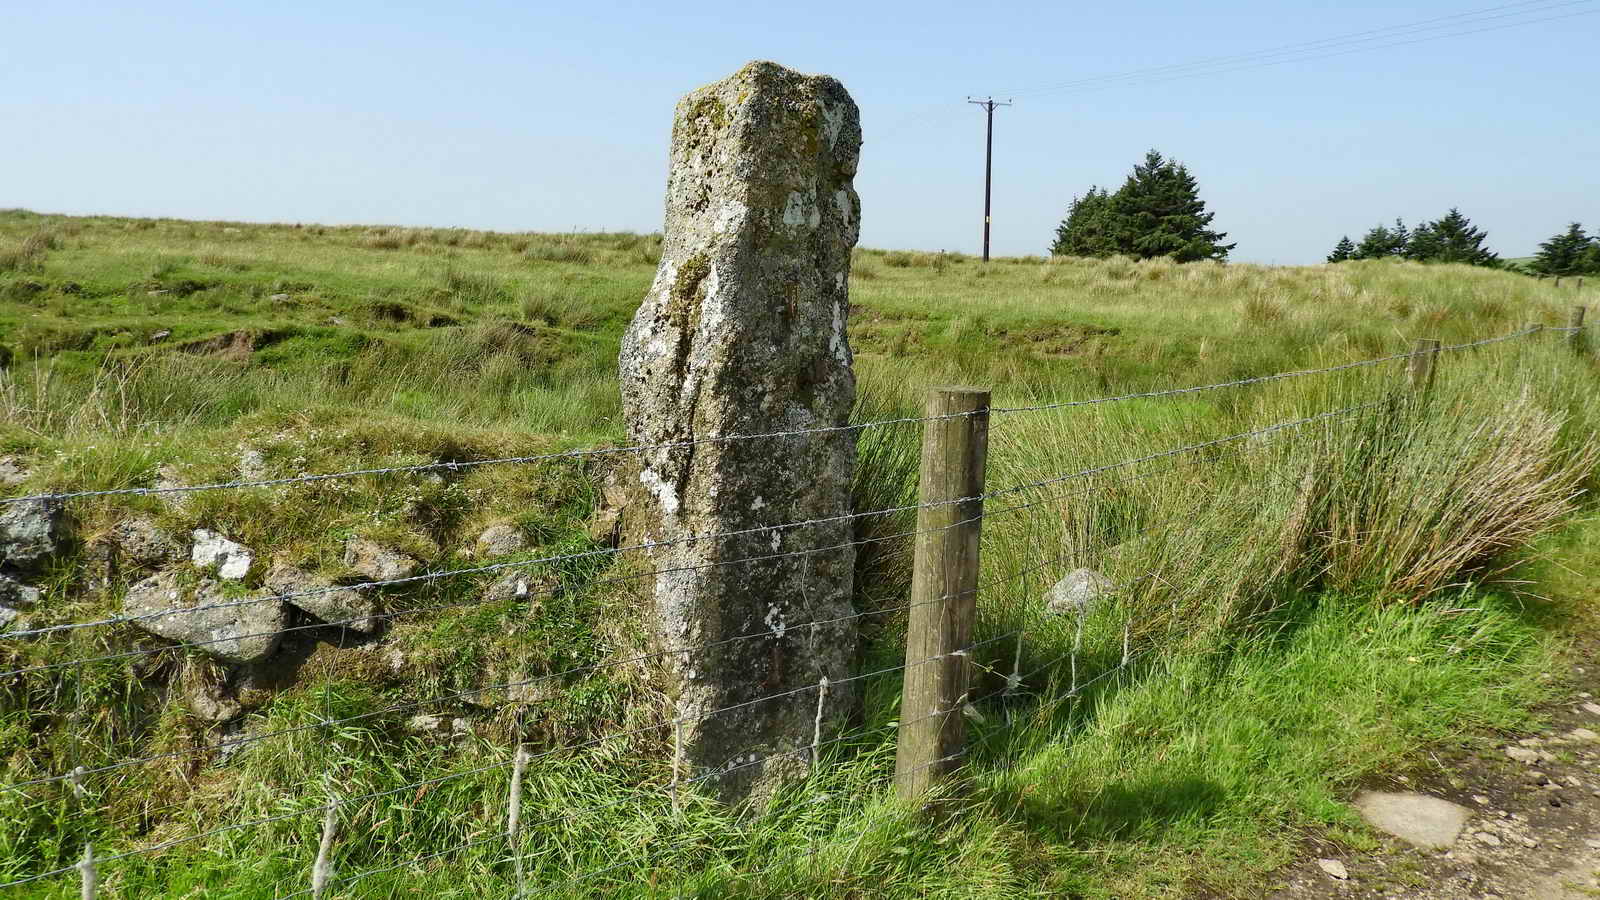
<point x="233" y="560"/>
<point x="1523" y="755"/>
<point x="1417" y="819"/>
<point x="515" y="586"/>
<point x="376" y="561"/>
<point x="17" y="595"/>
<point x="1078" y="592"/>
<point x="743" y="332"/>
<point x="12" y="471"/>
<point x="1334" y="868"/>
<point x="9" y="618"/>
<point x="28" y="533"/>
<point x="345" y="607"/>
<point x="500" y="540"/>
<point x="1592" y="709"/>
<point x="439" y="725"/>
<point x="210" y="701"/>
<point x="245" y="630"/>
<point x="138" y="541"/>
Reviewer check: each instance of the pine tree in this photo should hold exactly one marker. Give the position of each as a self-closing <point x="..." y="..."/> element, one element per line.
<point x="1343" y="250"/>
<point x="1158" y="212"/>
<point x="1088" y="229"/>
<point x="1564" y="254"/>
<point x="1424" y="244"/>
<point x="1399" y="239"/>
<point x="1454" y="240"/>
<point x="1377" y="244"/>
<point x="1590" y="263"/>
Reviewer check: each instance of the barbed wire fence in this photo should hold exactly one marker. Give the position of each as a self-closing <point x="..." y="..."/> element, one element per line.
<point x="951" y="674"/>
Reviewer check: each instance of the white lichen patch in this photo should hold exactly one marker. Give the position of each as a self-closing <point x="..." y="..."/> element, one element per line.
<point x="730" y="217"/>
<point x="661" y="490"/>
<point x="832" y="122"/>
<point x="836" y="340"/>
<point x="799" y="211"/>
<point x="841" y="201"/>
<point x="775" y="621"/>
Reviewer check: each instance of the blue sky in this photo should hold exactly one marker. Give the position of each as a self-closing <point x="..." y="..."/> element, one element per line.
<point x="556" y="117"/>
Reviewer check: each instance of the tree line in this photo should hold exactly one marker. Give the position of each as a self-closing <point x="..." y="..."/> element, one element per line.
<point x="1448" y="239"/>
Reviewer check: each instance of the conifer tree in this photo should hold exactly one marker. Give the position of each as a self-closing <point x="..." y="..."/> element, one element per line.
<point x="1088" y="229"/>
<point x="1158" y="212"/>
<point x="1456" y="241"/>
<point x="1399" y="239"/>
<point x="1377" y="244"/>
<point x="1568" y="253"/>
<point x="1343" y="250"/>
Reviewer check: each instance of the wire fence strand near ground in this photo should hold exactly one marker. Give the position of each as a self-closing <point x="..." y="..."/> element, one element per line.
<point x="1022" y="662"/>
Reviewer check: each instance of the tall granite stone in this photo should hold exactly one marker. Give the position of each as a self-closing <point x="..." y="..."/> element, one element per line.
<point x="743" y="332"/>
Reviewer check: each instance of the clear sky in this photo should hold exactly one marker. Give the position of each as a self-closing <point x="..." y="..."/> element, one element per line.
<point x="553" y="117"/>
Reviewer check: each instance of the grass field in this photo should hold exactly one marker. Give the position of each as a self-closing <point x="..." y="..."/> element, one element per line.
<point x="1330" y="601"/>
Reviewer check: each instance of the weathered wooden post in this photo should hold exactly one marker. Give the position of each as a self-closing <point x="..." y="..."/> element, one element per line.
<point x="1575" y="322"/>
<point x="743" y="332"/>
<point x="1419" y="370"/>
<point x="944" y="586"/>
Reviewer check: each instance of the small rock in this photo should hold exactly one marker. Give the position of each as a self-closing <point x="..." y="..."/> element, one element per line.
<point x="12" y="472"/>
<point x="1334" y="868"/>
<point x="160" y="334"/>
<point x="210" y="701"/>
<point x="512" y="586"/>
<point x="1480" y="799"/>
<point x="1523" y="755"/>
<point x="252" y="465"/>
<point x="1420" y="820"/>
<point x="1592" y="844"/>
<point x="232" y="560"/>
<point x="242" y="630"/>
<point x="1583" y="734"/>
<point x="1531" y="742"/>
<point x="1487" y="839"/>
<point x="28" y="532"/>
<point x="278" y="298"/>
<point x="1592" y="708"/>
<point x="345" y="607"/>
<point x="377" y="562"/>
<point x="7" y="617"/>
<point x="501" y="540"/>
<point x="141" y="541"/>
<point x="424" y="723"/>
<point x="1077" y="593"/>
<point x="17" y="595"/>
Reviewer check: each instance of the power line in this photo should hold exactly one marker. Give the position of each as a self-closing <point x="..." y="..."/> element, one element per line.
<point x="1373" y="39"/>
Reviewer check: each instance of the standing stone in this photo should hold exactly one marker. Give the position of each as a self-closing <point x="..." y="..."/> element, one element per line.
<point x="743" y="332"/>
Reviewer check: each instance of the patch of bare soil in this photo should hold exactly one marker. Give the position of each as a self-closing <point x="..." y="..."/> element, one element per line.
<point x="1535" y="828"/>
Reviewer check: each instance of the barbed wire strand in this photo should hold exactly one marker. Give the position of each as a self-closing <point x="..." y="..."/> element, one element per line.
<point x="234" y="744"/>
<point x="657" y="545"/>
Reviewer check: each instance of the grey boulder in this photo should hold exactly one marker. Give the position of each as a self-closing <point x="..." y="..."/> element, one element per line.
<point x="501" y="540"/>
<point x="342" y="606"/>
<point x="233" y="629"/>
<point x="377" y="562"/>
<point x="17" y="595"/>
<point x="233" y="560"/>
<point x="28" y="532"/>
<point x="1078" y="592"/>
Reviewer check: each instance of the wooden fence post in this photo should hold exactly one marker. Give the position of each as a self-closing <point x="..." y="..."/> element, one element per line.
<point x="944" y="583"/>
<point x="1575" y="322"/>
<point x="1419" y="370"/>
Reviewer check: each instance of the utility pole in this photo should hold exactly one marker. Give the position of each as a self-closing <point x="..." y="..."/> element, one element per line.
<point x="988" y="104"/>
